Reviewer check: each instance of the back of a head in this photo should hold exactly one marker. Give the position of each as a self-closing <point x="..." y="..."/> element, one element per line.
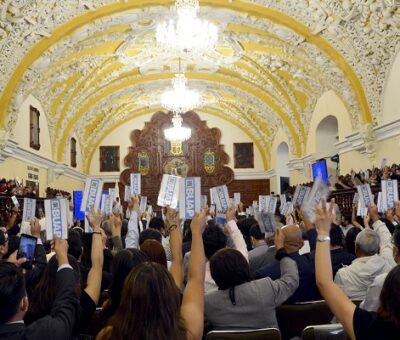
<point x="336" y="235"/>
<point x="157" y="223"/>
<point x="75" y="245"/>
<point x="106" y="226"/>
<point x="396" y="238"/>
<point x="367" y="242"/>
<point x="350" y="241"/>
<point x="124" y="228"/>
<point x="229" y="268"/>
<point x="214" y="239"/>
<point x="255" y="232"/>
<point x="244" y="226"/>
<point x="390" y="297"/>
<point x="149" y="234"/>
<point x="293" y="237"/>
<point x="154" y="251"/>
<point x="122" y="264"/>
<point x="12" y="290"/>
<point x="150" y="306"/>
<point x="187" y="232"/>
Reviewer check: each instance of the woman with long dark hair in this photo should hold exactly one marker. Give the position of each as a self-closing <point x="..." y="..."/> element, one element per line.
<point x="123" y="263"/>
<point x="44" y="294"/>
<point x="150" y="305"/>
<point x="358" y="323"/>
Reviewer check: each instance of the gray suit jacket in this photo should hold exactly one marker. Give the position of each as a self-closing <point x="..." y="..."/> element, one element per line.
<point x="255" y="301"/>
<point x="262" y="260"/>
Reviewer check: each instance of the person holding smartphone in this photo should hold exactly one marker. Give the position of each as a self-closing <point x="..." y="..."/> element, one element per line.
<point x="14" y="301"/>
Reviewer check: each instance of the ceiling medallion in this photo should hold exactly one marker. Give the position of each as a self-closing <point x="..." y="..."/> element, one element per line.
<point x="187" y="35"/>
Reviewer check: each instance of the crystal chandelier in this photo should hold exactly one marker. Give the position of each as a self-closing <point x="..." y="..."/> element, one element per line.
<point x="187" y="34"/>
<point x="177" y="133"/>
<point x="180" y="99"/>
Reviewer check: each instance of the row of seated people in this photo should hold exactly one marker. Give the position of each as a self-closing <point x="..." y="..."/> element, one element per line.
<point x="372" y="177"/>
<point x="14" y="187"/>
<point x="161" y="283"/>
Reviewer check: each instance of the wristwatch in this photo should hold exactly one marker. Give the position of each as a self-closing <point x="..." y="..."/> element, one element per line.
<point x="323" y="238"/>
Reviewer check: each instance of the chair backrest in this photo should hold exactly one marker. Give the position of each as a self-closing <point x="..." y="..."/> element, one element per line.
<point x="257" y="334"/>
<point x="292" y="319"/>
<point x="324" y="332"/>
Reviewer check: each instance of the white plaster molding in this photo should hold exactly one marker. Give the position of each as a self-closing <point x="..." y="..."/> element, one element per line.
<point x="353" y="142"/>
<point x="300" y="163"/>
<point x="251" y="175"/>
<point x="13" y="150"/>
<point x="271" y="173"/>
<point x="108" y="178"/>
<point x="388" y="130"/>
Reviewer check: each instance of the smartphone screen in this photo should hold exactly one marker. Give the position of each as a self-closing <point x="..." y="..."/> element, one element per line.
<point x="27" y="246"/>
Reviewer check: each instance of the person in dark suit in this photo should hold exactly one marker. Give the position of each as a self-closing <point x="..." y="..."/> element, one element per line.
<point x="339" y="256"/>
<point x="307" y="290"/>
<point x="14" y="302"/>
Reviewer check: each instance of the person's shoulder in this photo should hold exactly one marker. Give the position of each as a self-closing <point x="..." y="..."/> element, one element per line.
<point x="380" y="279"/>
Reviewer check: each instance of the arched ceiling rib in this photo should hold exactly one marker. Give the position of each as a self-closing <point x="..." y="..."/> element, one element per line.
<point x="93" y="64"/>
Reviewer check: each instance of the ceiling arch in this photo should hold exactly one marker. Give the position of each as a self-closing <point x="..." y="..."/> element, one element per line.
<point x="273" y="61"/>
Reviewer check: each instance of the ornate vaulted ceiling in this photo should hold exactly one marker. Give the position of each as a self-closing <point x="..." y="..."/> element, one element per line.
<point x="94" y="64"/>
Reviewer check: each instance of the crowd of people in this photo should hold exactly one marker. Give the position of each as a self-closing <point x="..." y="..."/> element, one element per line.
<point x="158" y="277"/>
<point x="14" y="187"/>
<point x="372" y="177"/>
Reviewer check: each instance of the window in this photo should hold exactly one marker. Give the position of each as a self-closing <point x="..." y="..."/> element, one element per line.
<point x="73" y="152"/>
<point x="34" y="128"/>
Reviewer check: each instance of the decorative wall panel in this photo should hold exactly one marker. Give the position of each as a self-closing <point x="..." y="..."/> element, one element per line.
<point x="151" y="155"/>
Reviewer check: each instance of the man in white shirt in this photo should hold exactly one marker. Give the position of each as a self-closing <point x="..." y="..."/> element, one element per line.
<point x="355" y="279"/>
<point x="371" y="302"/>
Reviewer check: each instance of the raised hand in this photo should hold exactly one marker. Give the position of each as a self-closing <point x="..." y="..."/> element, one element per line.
<point x="367" y="219"/>
<point x="231" y="214"/>
<point x="60" y="247"/>
<point x="199" y="222"/>
<point x="116" y="224"/>
<point x="172" y="217"/>
<point x="95" y="219"/>
<point x="35" y="227"/>
<point x="373" y="213"/>
<point x="323" y="219"/>
<point x="13" y="259"/>
<point x="133" y="203"/>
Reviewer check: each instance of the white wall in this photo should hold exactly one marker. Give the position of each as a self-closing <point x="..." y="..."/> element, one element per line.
<point x="391" y="98"/>
<point x="329" y="104"/>
<point x="230" y="134"/>
<point x="22" y="129"/>
<point x="326" y="137"/>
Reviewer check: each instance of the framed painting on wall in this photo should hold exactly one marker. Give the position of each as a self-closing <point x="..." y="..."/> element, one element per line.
<point x="243" y="155"/>
<point x="109" y="158"/>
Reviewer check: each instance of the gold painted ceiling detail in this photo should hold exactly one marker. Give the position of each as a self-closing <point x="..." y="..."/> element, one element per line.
<point x="93" y="64"/>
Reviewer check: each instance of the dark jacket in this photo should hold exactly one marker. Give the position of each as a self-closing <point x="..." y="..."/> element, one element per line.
<point x="307" y="290"/>
<point x="59" y="324"/>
